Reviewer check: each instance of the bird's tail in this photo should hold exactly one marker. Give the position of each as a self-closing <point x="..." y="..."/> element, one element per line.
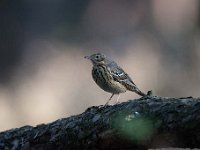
<point x="139" y="92"/>
<point x="132" y="87"/>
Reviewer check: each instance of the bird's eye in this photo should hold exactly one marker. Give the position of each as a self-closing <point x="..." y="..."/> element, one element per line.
<point x="97" y="57"/>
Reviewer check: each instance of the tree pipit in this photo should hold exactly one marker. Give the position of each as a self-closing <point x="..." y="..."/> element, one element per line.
<point x="110" y="77"/>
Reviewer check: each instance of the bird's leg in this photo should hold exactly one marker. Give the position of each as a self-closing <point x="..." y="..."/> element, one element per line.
<point x="117" y="101"/>
<point x="109" y="99"/>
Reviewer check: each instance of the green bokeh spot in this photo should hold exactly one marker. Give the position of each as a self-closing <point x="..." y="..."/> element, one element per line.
<point x="134" y="128"/>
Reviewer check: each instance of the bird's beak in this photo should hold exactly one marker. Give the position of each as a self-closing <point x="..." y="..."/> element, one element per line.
<point x="87" y="57"/>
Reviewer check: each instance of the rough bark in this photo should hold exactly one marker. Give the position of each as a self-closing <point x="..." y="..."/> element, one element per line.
<point x="149" y="122"/>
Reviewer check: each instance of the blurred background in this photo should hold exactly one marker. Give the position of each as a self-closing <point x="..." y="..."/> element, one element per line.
<point x="43" y="73"/>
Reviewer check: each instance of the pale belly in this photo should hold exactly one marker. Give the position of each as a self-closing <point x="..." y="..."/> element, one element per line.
<point x="106" y="82"/>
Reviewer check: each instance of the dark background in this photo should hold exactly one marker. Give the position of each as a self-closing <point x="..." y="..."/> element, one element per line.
<point x="43" y="75"/>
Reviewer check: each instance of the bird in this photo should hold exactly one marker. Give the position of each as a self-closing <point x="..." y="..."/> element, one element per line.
<point x="110" y="77"/>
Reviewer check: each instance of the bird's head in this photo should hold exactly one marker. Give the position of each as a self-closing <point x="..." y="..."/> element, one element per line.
<point x="97" y="59"/>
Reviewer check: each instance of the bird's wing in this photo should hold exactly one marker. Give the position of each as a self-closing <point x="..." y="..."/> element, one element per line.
<point x="121" y="76"/>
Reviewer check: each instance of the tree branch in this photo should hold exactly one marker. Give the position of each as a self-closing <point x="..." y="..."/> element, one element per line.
<point x="149" y="122"/>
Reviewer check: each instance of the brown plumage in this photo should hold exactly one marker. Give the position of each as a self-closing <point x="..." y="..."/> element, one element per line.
<point x="110" y="77"/>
